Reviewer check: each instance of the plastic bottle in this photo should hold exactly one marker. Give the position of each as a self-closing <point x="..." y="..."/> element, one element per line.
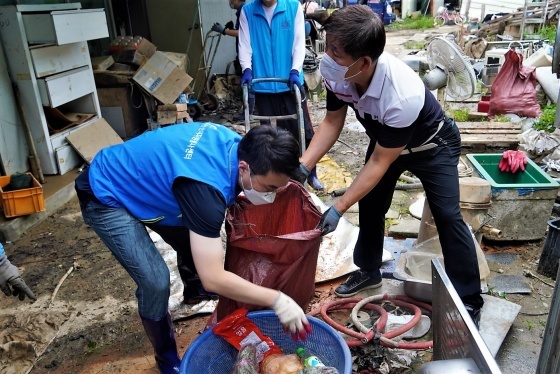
<point x="307" y="359"/>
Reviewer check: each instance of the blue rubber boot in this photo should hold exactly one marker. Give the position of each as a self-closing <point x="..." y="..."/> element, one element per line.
<point x="162" y="338"/>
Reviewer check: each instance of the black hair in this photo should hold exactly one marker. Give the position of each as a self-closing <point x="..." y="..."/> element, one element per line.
<point x="269" y="149"/>
<point x="358" y="30"/>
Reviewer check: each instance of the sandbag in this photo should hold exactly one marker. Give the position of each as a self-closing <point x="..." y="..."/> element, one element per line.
<point x="513" y="90"/>
<point x="274" y="245"/>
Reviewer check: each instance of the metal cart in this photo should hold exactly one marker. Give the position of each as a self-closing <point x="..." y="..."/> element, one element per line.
<point x="298" y="115"/>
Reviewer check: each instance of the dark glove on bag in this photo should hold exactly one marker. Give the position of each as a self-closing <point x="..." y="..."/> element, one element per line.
<point x="301" y="174"/>
<point x="294" y="78"/>
<point x="11" y="282"/>
<point x="247" y="77"/>
<point x="329" y="221"/>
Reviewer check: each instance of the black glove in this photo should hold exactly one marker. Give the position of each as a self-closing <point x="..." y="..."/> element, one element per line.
<point x="218" y="27"/>
<point x="329" y="221"/>
<point x="300" y="174"/>
<point x="11" y="282"/>
<point x="229" y="25"/>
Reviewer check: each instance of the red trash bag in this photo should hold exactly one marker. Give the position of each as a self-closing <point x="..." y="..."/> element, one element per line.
<point x="274" y="245"/>
<point x="513" y="90"/>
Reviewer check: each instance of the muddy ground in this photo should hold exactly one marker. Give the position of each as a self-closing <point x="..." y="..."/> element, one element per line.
<point x="92" y="325"/>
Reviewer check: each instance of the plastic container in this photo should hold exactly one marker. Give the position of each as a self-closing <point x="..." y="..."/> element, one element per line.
<point x="210" y="353"/>
<point x="521" y="202"/>
<point x="548" y="263"/>
<point x="22" y="202"/>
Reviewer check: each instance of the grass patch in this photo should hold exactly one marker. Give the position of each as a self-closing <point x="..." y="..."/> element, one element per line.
<point x="421" y="23"/>
<point x="460" y="115"/>
<point x="546" y="120"/>
<point x="548" y="33"/>
<point x="415" y="44"/>
<point x="500" y="118"/>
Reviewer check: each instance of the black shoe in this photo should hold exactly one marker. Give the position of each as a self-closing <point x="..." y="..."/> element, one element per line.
<point x="475" y="315"/>
<point x="358" y="281"/>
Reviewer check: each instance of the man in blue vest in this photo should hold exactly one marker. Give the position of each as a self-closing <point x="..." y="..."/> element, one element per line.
<point x="11" y="282"/>
<point x="179" y="181"/>
<point x="272" y="45"/>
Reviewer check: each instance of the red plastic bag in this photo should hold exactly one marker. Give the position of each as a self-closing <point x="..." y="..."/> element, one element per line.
<point x="238" y="330"/>
<point x="513" y="90"/>
<point x="274" y="245"/>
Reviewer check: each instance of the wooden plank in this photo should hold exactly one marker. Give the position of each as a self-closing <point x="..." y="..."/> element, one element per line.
<point x="488" y="125"/>
<point x="91" y="139"/>
<point x="486" y="131"/>
<point x="489" y="140"/>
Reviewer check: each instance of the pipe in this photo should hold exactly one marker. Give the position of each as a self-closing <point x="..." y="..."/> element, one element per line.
<point x="365" y="334"/>
<point x="490" y="230"/>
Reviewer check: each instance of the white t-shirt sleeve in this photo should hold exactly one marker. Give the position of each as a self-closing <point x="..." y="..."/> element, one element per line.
<point x="245" y="51"/>
<point x="298" y="49"/>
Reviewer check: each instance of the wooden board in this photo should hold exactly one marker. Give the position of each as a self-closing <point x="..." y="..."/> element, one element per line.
<point x="91" y="139"/>
<point x="489" y="134"/>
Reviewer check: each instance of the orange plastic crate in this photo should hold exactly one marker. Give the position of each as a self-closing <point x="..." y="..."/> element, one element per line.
<point x="22" y="202"/>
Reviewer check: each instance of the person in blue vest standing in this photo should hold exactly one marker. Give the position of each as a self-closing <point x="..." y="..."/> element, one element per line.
<point x="11" y="282"/>
<point x="179" y="181"/>
<point x="272" y="45"/>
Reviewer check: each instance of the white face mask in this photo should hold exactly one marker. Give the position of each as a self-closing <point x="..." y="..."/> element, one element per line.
<point x="332" y="71"/>
<point x="256" y="197"/>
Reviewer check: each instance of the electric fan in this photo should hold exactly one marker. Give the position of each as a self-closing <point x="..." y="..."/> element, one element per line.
<point x="449" y="68"/>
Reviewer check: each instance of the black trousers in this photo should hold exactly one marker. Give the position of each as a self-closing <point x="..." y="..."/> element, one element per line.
<point x="179" y="239"/>
<point x="283" y="103"/>
<point x="437" y="170"/>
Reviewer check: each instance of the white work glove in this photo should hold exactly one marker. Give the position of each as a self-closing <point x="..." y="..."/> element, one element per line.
<point x="11" y="282"/>
<point x="291" y="316"/>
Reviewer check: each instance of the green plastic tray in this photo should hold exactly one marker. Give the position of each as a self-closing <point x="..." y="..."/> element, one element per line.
<point x="486" y="164"/>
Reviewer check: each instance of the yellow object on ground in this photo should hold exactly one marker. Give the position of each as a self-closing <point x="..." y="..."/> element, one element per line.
<point x="333" y="176"/>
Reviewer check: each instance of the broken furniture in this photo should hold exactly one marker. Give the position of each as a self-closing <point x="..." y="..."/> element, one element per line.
<point x="48" y="59"/>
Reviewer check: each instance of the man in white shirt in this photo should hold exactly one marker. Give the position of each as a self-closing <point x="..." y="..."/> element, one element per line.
<point x="408" y="130"/>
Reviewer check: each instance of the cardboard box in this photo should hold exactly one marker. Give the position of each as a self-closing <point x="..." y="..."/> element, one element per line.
<point x="180" y="59"/>
<point x="162" y="79"/>
<point x="133" y="51"/>
<point x="102" y="62"/>
<point x="170" y="113"/>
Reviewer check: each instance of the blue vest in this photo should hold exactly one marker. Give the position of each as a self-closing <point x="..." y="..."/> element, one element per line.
<point x="272" y="45"/>
<point x="139" y="174"/>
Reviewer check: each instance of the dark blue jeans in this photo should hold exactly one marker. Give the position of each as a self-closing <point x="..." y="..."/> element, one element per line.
<point x="437" y="170"/>
<point x="129" y="241"/>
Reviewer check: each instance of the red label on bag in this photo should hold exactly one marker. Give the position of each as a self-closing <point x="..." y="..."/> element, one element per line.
<point x="238" y="330"/>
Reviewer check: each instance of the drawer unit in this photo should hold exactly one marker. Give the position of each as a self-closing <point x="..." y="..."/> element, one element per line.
<point x="61" y="88"/>
<point x="65" y="27"/>
<point x="59" y="58"/>
<point x="46" y="50"/>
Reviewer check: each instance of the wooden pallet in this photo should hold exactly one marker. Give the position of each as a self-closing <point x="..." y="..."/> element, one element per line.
<point x="482" y="135"/>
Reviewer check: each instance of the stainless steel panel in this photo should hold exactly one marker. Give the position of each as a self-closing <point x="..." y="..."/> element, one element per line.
<point x="455" y="334"/>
